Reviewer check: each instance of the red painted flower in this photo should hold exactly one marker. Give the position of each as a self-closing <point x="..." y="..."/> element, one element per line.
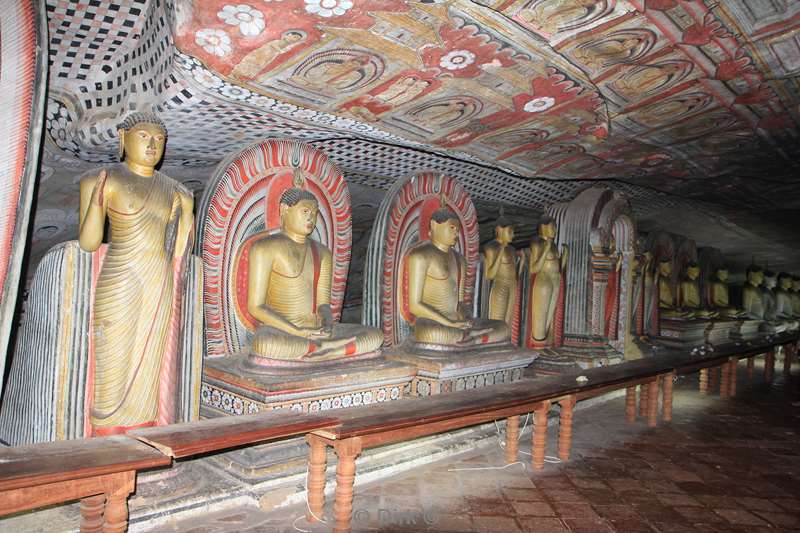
<point x="466" y="51"/>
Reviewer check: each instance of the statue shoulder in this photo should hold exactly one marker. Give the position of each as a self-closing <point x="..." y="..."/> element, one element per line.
<point x="323" y="251"/>
<point x="268" y="243"/>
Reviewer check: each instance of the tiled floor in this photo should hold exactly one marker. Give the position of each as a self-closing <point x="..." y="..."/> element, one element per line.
<point x="721" y="465"/>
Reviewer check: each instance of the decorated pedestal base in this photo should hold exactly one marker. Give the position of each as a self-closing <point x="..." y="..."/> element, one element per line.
<point x="233" y="386"/>
<point x="722" y="331"/>
<point x="683" y="333"/>
<point x="748" y="330"/>
<point x="455" y="370"/>
<point x="578" y="351"/>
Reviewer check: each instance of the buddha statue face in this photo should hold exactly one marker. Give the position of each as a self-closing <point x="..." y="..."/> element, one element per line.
<point x="796" y="284"/>
<point x="770" y="281"/>
<point x="445" y="233"/>
<point x="785" y="282"/>
<point x="547" y="230"/>
<point x="722" y="275"/>
<point x="665" y="268"/>
<point x="693" y="272"/>
<point x="755" y="277"/>
<point x="300" y="218"/>
<point x="143" y="144"/>
<point x="504" y="234"/>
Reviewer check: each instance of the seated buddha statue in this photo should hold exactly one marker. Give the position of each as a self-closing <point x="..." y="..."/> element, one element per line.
<point x="719" y="295"/>
<point x="689" y="293"/>
<point x="289" y="289"/>
<point x="783" y="301"/>
<point x="769" y="297"/>
<point x="796" y="296"/>
<point x="667" y="303"/>
<point x="435" y="272"/>
<point x="752" y="296"/>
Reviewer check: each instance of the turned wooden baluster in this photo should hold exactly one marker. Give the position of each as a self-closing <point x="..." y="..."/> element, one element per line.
<point x="643" y="402"/>
<point x="769" y="366"/>
<point x="787" y="358"/>
<point x="733" y="371"/>
<point x="512" y="436"/>
<point x="704" y="381"/>
<point x="751" y="364"/>
<point x="630" y="404"/>
<point x="539" y="435"/>
<point x="92" y="513"/>
<point x="347" y="451"/>
<point x="652" y="403"/>
<point x="565" y="427"/>
<point x="667" y="408"/>
<point x="115" y="517"/>
<point x="724" y="379"/>
<point x="714" y="380"/>
<point x="315" y="484"/>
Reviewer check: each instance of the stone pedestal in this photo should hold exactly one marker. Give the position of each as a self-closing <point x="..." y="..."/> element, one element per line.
<point x="748" y="330"/>
<point x="722" y="331"/>
<point x="683" y="333"/>
<point x="232" y="386"/>
<point x="579" y="351"/>
<point x="454" y="370"/>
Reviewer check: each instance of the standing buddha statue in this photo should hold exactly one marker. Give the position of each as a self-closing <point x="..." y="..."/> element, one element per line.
<point x="137" y="295"/>
<point x="289" y="292"/>
<point x="501" y="269"/>
<point x="719" y="295"/>
<point x="689" y="294"/>
<point x="752" y="296"/>
<point x="547" y="270"/>
<point x="434" y="273"/>
<point x="667" y="302"/>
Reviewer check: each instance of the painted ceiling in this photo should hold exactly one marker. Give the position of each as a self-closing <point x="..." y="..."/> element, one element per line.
<point x="683" y="104"/>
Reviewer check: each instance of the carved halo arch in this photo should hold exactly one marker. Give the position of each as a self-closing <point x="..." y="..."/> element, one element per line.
<point x="402" y="222"/>
<point x="241" y="205"/>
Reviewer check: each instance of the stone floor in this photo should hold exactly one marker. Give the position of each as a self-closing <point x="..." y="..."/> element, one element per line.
<point x="721" y="465"/>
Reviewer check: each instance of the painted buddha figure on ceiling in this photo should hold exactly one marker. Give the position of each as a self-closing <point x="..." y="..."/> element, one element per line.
<point x="719" y="295"/>
<point x="690" y="294"/>
<point x="667" y="301"/>
<point x="289" y="290"/>
<point x="752" y="295"/>
<point x="501" y="269"/>
<point x="547" y="270"/>
<point x="137" y="296"/>
<point x="435" y="272"/>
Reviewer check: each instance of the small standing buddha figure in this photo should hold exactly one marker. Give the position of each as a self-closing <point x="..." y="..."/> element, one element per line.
<point x="547" y="270"/>
<point x="752" y="296"/>
<point x="435" y="274"/>
<point x="719" y="294"/>
<point x="289" y="290"/>
<point x="667" y="302"/>
<point x="501" y="269"/>
<point x="689" y="294"/>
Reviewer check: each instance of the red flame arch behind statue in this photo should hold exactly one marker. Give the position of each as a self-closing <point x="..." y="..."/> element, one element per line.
<point x="241" y="205"/>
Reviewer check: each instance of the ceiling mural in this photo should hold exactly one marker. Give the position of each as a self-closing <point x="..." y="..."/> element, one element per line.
<point x="681" y="103"/>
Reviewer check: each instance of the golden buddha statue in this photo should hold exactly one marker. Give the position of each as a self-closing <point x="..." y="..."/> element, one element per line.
<point x="752" y="297"/>
<point x="289" y="290"/>
<point x="546" y="268"/>
<point x="719" y="295"/>
<point x="690" y="294"/>
<point x="137" y="295"/>
<point x="667" y="304"/>
<point x="500" y="260"/>
<point x="435" y="275"/>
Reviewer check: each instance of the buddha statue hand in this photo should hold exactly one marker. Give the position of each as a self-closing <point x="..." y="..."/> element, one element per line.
<point x="99" y="188"/>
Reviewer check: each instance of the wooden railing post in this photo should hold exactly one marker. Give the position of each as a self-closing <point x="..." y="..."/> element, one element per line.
<point x="667" y="408"/>
<point x="512" y="436"/>
<point x="539" y="435"/>
<point x="565" y="427"/>
<point x="630" y="404"/>
<point x="315" y="484"/>
<point x="347" y="450"/>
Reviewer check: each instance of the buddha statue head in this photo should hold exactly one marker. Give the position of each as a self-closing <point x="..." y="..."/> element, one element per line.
<point x="796" y="283"/>
<point x="770" y="280"/>
<point x="755" y="275"/>
<point x="692" y="271"/>
<point x="142" y="137"/>
<point x="504" y="230"/>
<point x="785" y="281"/>
<point x="445" y="227"/>
<point x="722" y="275"/>
<point x="547" y="228"/>
<point x="298" y="212"/>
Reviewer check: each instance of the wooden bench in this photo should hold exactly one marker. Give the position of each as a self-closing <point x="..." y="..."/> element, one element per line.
<point x="373" y="426"/>
<point x="100" y="472"/>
